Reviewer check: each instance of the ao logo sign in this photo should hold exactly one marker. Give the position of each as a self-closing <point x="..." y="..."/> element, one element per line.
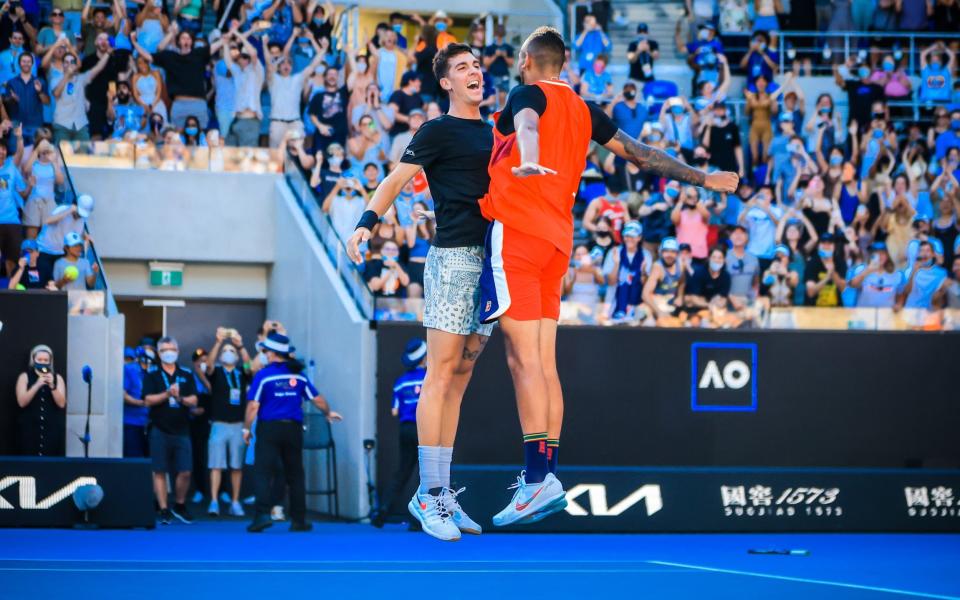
<point x="723" y="377"/>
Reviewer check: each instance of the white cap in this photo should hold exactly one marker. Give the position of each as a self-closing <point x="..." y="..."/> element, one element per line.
<point x="84" y="205"/>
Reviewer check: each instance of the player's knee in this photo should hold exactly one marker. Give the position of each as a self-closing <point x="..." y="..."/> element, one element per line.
<point x="522" y="363"/>
<point x="439" y="378"/>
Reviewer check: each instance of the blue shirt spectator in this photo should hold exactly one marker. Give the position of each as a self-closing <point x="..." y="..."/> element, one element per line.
<point x="628" y="114"/>
<point x="31" y="96"/>
<point x="949" y="138"/>
<point x="925" y="283"/>
<point x="935" y="82"/>
<point x="761" y="223"/>
<point x="406" y="394"/>
<point x="591" y="43"/>
<point x="11" y="184"/>
<point x="133" y="386"/>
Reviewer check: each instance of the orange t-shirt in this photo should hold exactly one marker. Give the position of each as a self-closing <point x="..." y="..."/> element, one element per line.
<point x="542" y="205"/>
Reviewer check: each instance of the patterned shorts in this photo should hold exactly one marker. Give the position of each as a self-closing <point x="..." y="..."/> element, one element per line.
<point x="452" y="292"/>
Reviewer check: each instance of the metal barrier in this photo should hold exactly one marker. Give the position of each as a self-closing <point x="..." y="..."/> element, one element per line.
<point x="335" y="247"/>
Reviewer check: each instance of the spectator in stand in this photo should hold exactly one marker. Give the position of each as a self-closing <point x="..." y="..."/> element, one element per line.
<point x="897" y="223"/>
<point x="744" y="269"/>
<point x="328" y="110"/>
<point x="148" y="90"/>
<point x="761" y="107"/>
<point x="397" y="21"/>
<point x="248" y="77"/>
<point x="779" y="279"/>
<point x="442" y="23"/>
<point x="690" y="217"/>
<point x="185" y="67"/>
<point x="734" y="18"/>
<point x="72" y="11"/>
<point x="824" y="275"/>
<point x="70" y="123"/>
<point x="878" y="282"/>
<point x="152" y="25"/>
<point x="360" y="80"/>
<point x="285" y="88"/>
<point x="477" y="39"/>
<point x="383" y="273"/>
<point x="9" y="58"/>
<point x="367" y="147"/>
<point x="760" y="60"/>
<point x="404" y="100"/>
<point x="655" y="216"/>
<point x="663" y="290"/>
<point x="30" y="95"/>
<point x="99" y="84"/>
<point x="641" y="54"/>
<point x="13" y="192"/>
<point x="134" y="406"/>
<point x="63" y="220"/>
<point x="703" y="53"/>
<point x="402" y="140"/>
<point x="42" y="401"/>
<point x="124" y="112"/>
<point x="591" y="43"/>
<point x="93" y="26"/>
<point x="391" y="64"/>
<point x="498" y="57"/>
<point x="948" y="139"/>
<point x="721" y="136"/>
<point x="27" y="276"/>
<point x="327" y="172"/>
<point x="761" y="217"/>
<point x="893" y="79"/>
<point x="678" y="120"/>
<point x="927" y="283"/>
<point x="597" y="84"/>
<point x="936" y="72"/>
<point x="861" y="90"/>
<point x="170" y="392"/>
<point x="914" y="14"/>
<point x="73" y="271"/>
<point x="14" y="18"/>
<point x="422" y="59"/>
<point x="946" y="16"/>
<point x="709" y="281"/>
<point x="228" y="383"/>
<point x="701" y="11"/>
<point x="43" y="174"/>
<point x="583" y="279"/>
<point x="609" y="208"/>
<point x="344" y="203"/>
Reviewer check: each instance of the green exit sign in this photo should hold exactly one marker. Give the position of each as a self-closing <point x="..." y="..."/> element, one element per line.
<point x="166" y="274"/>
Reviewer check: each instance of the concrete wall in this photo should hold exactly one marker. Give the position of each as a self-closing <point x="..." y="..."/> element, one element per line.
<point x="180" y="216"/>
<point x="305" y="294"/>
<point x="200" y="280"/>
<point x="97" y="342"/>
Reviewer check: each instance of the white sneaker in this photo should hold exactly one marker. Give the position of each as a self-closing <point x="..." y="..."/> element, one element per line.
<point x="236" y="510"/>
<point x="529" y="499"/>
<point x="432" y="513"/>
<point x="277" y="514"/>
<point x="214" y="508"/>
<point x="460" y="518"/>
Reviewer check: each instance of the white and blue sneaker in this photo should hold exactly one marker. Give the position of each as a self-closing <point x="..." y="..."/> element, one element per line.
<point x="552" y="508"/>
<point x="530" y="499"/>
<point x="460" y="518"/>
<point x="432" y="513"/>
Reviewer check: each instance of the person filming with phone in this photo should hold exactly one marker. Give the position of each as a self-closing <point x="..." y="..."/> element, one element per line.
<point x="42" y="399"/>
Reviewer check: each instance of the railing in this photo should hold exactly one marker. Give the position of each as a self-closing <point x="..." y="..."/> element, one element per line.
<point x="83" y="303"/>
<point x="336" y="249"/>
<point x="120" y="154"/>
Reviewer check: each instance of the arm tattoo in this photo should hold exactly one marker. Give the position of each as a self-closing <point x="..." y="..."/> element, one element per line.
<point x="659" y="162"/>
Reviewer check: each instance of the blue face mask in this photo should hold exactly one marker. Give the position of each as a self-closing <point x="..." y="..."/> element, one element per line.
<point x="927" y="263"/>
<point x="441" y="26"/>
<point x="716" y="265"/>
<point x="191" y="130"/>
<point x="864" y="72"/>
<point x="888" y="67"/>
<point x="824" y="253"/>
<point x="955" y="124"/>
<point x="877" y="134"/>
<point x="677" y="110"/>
<point x="672" y="193"/>
<point x="836" y="161"/>
<point x="897" y="55"/>
<point x="398" y="28"/>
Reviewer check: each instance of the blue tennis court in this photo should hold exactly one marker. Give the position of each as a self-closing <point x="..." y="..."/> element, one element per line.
<point x="356" y="561"/>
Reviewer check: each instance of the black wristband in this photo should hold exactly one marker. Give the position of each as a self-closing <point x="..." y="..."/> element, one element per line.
<point x="368" y="220"/>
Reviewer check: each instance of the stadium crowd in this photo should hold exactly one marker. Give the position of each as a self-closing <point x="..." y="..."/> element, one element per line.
<point x="851" y="205"/>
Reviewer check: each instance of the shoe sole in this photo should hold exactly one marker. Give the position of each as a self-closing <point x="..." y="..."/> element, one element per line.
<point x="521" y="519"/>
<point x="470" y="531"/>
<point x="182" y="519"/>
<point x="259" y="528"/>
<point x="416" y="515"/>
<point x="551" y="509"/>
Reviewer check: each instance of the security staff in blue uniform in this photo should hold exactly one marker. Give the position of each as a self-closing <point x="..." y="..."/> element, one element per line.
<point x="135" y="410"/>
<point x="406" y="395"/>
<point x="275" y="399"/>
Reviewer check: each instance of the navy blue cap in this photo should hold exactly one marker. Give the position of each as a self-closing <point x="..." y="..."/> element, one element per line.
<point x="130" y="353"/>
<point x="277" y="343"/>
<point x="414" y="352"/>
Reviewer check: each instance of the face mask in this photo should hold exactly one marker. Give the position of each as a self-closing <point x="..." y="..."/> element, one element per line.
<point x="203" y="367"/>
<point x="792" y="53"/>
<point x="677" y="110"/>
<point x="262" y="357"/>
<point x="888" y="67"/>
<point x="41" y="366"/>
<point x="716" y="265"/>
<point x="955" y="124"/>
<point x="603" y="235"/>
<point x="824" y="254"/>
<point x="156" y="125"/>
<point x="191" y="130"/>
<point x="169" y="357"/>
<point x="794" y="148"/>
<point x="335" y="161"/>
<point x="228" y="358"/>
<point x="703" y="35"/>
<point x="863" y="72"/>
<point x="441" y="26"/>
<point x="398" y="28"/>
<point x="655" y="137"/>
<point x="672" y="193"/>
<point x="927" y="263"/>
<point x="836" y="161"/>
<point x="897" y="55"/>
<point x="877" y="134"/>
<point x="630" y="94"/>
<point x="361" y="67"/>
<point x="824" y="111"/>
<point x="935" y="65"/>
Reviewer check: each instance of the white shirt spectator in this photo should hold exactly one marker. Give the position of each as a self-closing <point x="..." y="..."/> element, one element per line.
<point x="285" y="96"/>
<point x="71" y="108"/>
<point x="50" y="238"/>
<point x="345" y="211"/>
<point x="248" y="83"/>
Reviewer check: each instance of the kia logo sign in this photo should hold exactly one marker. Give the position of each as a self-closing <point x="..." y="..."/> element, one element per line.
<point x="597" y="498"/>
<point x="28" y="492"/>
<point x="723" y="377"/>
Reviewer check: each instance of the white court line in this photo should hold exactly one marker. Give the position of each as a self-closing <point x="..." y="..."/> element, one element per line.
<point x="854" y="586"/>
<point x="339" y="571"/>
<point x="308" y="562"/>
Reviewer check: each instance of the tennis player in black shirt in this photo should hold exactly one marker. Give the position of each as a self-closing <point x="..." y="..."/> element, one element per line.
<point x="454" y="151"/>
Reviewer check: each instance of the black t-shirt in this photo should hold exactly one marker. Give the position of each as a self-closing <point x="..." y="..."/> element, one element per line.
<point x="428" y="81"/>
<point x="186" y="73"/>
<point x="860" y="99"/>
<point x="97" y="87"/>
<point x="702" y="284"/>
<point x="405" y="103"/>
<point x="815" y="271"/>
<point x="228" y="395"/>
<point x="454" y="154"/>
<point x="330" y="108"/>
<point x="531" y="96"/>
<point x="499" y="68"/>
<point x="722" y="142"/>
<point x="170" y="417"/>
<point x="636" y="68"/>
<point x="375" y="267"/>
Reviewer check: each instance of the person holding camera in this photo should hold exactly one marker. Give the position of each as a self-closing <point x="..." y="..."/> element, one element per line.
<point x="228" y="382"/>
<point x="779" y="280"/>
<point x="275" y="399"/>
<point x="384" y="274"/>
<point x="170" y="392"/>
<point x="42" y="399"/>
<point x="345" y="204"/>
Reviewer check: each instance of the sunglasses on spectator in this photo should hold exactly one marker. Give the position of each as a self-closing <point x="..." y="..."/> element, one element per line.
<point x="56" y="13"/>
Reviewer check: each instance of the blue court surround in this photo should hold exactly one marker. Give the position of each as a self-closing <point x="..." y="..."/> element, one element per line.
<point x="218" y="559"/>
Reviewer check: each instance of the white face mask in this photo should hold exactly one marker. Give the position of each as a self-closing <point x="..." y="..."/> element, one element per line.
<point x="361" y="67"/>
<point x="203" y="367"/>
<point x="262" y="357"/>
<point x="169" y="357"/>
<point x="228" y="357"/>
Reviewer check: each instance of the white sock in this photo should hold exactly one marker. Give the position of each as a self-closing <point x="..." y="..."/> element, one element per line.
<point x="446" y="457"/>
<point x="429" y="467"/>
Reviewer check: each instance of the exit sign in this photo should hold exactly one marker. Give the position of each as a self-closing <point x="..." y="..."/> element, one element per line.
<point x="166" y="274"/>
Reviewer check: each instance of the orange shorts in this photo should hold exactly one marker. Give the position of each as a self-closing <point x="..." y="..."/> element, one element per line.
<point x="522" y="276"/>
